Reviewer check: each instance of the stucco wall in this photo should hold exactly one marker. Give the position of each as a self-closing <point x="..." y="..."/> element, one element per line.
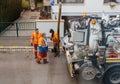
<point x="89" y="6"/>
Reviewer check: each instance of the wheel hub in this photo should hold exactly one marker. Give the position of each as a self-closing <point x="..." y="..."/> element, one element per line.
<point x="115" y="78"/>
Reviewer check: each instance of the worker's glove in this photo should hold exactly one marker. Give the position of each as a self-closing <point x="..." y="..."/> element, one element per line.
<point x="51" y="38"/>
<point x="31" y="44"/>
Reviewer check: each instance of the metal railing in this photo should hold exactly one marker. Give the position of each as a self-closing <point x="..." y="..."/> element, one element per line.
<point x="16" y="28"/>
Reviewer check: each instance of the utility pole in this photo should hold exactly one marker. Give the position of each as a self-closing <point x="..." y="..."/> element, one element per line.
<point x="58" y="26"/>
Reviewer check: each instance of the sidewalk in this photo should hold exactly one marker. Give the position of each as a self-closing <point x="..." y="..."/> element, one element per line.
<point x="28" y="16"/>
<point x="9" y="36"/>
<point x="17" y="41"/>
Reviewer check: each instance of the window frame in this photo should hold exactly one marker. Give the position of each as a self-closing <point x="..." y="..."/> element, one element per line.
<point x="71" y="2"/>
<point x="109" y="2"/>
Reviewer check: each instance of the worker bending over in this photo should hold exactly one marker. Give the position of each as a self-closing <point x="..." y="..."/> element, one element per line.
<point x="43" y="48"/>
<point x="34" y="40"/>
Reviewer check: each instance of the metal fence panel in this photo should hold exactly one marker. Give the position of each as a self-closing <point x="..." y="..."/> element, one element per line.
<point x="16" y="28"/>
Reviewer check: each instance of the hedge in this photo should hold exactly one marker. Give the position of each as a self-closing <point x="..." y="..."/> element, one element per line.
<point x="9" y="11"/>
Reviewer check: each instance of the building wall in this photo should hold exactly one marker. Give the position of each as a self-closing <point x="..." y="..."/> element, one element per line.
<point x="46" y="25"/>
<point x="89" y="6"/>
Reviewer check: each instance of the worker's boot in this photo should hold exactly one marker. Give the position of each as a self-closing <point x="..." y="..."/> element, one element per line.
<point x="35" y="57"/>
<point x="56" y="54"/>
<point x="52" y="50"/>
<point x="45" y="61"/>
<point x="39" y="62"/>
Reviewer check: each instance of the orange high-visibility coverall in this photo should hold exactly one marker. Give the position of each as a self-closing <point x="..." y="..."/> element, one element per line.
<point x="42" y="54"/>
<point x="55" y="38"/>
<point x="34" y="39"/>
<point x="55" y="43"/>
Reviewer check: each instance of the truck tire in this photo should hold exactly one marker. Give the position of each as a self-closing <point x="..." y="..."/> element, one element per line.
<point x="112" y="76"/>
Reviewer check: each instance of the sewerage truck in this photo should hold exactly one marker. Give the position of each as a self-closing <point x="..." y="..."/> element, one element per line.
<point x="92" y="48"/>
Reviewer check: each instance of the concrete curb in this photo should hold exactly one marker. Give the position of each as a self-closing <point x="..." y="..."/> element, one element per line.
<point x="19" y="48"/>
<point x="16" y="47"/>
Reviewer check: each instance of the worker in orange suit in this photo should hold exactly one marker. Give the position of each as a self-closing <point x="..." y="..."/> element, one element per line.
<point x="54" y="38"/>
<point x="42" y="48"/>
<point x="34" y="40"/>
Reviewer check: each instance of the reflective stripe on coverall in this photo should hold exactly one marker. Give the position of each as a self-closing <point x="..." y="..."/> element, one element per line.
<point x="42" y="50"/>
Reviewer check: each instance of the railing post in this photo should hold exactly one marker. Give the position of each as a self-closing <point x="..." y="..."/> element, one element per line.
<point x="17" y="29"/>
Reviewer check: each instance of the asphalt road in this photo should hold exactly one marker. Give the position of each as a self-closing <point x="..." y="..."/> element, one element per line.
<point x="17" y="41"/>
<point x="21" y="68"/>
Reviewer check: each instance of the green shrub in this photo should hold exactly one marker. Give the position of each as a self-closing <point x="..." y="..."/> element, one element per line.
<point x="9" y="11"/>
<point x="25" y="4"/>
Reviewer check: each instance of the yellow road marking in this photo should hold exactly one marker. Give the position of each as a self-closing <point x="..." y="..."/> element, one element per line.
<point x="14" y="47"/>
<point x="1" y="46"/>
<point x="28" y="47"/>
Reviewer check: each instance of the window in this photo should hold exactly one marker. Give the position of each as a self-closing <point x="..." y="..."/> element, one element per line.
<point x="71" y="1"/>
<point x="107" y="1"/>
